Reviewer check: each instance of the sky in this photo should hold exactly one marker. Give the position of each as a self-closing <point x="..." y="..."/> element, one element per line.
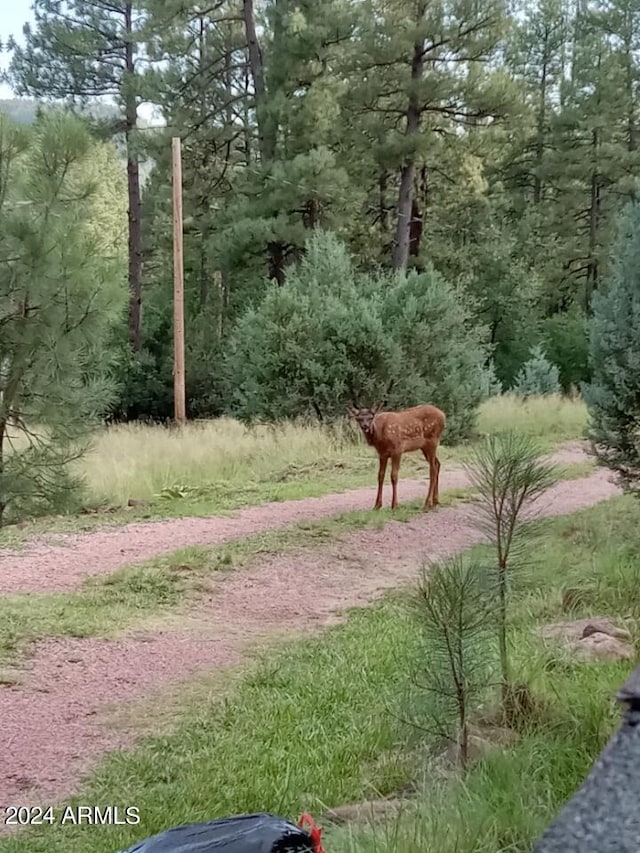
<point x="14" y="15"/>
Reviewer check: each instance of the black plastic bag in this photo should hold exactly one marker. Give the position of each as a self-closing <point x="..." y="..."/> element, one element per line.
<point x="252" y="833"/>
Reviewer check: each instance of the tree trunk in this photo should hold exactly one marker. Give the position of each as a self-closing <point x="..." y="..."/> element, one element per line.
<point x="594" y="221"/>
<point x="541" y="121"/>
<point x="416" y="226"/>
<point x="202" y="200"/>
<point x="256" y="63"/>
<point x="594" y="215"/>
<point x="266" y="129"/>
<point x="276" y="260"/>
<point x="133" y="189"/>
<point x="632" y="141"/>
<point x="408" y="173"/>
<point x="383" y="211"/>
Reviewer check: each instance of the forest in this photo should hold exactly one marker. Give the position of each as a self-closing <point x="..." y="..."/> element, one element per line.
<point x="373" y="191"/>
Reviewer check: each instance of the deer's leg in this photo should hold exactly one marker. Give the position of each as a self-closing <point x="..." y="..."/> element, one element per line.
<point x="436" y="490"/>
<point x="395" y="467"/>
<point x="382" y="470"/>
<point x="430" y="456"/>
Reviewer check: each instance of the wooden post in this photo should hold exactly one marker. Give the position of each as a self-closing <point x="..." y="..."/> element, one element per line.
<point x="179" y="406"/>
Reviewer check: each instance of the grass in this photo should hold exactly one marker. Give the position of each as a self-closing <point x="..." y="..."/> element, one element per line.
<point x="104" y="606"/>
<point x="213" y="467"/>
<point x="316" y="724"/>
<point x="131" y="596"/>
<point x="228" y="465"/>
<point x="276" y="743"/>
<point x="550" y="420"/>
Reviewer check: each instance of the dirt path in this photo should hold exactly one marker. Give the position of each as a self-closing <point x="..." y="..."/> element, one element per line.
<point x="45" y="567"/>
<point x="52" y="722"/>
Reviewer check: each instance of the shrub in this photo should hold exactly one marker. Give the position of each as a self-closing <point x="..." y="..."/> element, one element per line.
<point x="330" y="334"/>
<point x="537" y="376"/>
<point x="613" y="396"/>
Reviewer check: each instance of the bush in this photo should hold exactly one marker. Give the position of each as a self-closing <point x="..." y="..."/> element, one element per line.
<point x="537" y="376"/>
<point x="330" y="334"/>
<point x="613" y="396"/>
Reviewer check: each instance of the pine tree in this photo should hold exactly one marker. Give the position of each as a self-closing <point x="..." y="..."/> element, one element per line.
<point x="297" y="181"/>
<point x="62" y="289"/>
<point x="613" y="396"/>
<point x="537" y="375"/>
<point x="80" y="50"/>
<point x="420" y="70"/>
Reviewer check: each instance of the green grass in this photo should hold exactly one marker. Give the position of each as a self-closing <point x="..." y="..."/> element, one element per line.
<point x="104" y="606"/>
<point x="315" y="724"/>
<point x="224" y="464"/>
<point x="306" y="728"/>
<point x="214" y="467"/>
<point x="131" y="596"/>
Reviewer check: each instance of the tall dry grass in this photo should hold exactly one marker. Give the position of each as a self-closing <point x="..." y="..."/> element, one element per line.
<point x="551" y="420"/>
<point x="140" y="461"/>
<point x="134" y="460"/>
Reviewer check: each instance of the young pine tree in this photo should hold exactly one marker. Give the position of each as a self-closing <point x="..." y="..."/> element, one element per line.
<point x="537" y="376"/>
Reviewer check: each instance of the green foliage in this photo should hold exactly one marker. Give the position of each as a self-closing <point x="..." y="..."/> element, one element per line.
<point x="517" y="165"/>
<point x="537" y="375"/>
<point x="330" y="333"/>
<point x="322" y="715"/>
<point x="613" y="396"/>
<point x="62" y="288"/>
<point x="566" y="343"/>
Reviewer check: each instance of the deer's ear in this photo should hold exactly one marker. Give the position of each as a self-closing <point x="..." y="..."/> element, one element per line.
<point x="351" y="411"/>
<point x="377" y="407"/>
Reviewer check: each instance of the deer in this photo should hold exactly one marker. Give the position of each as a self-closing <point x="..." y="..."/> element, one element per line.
<point x="395" y="433"/>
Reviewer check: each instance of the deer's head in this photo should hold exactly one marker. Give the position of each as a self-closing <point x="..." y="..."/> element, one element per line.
<point x="364" y="417"/>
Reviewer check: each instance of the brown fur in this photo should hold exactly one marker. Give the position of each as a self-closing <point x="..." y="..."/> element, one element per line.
<point x="395" y="433"/>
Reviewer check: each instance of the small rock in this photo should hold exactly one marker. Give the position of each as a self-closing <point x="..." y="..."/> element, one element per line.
<point x="365" y="812"/>
<point x="599" y="645"/>
<point x="605" y="627"/>
<point x="575" y="631"/>
<point x="592" y="639"/>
